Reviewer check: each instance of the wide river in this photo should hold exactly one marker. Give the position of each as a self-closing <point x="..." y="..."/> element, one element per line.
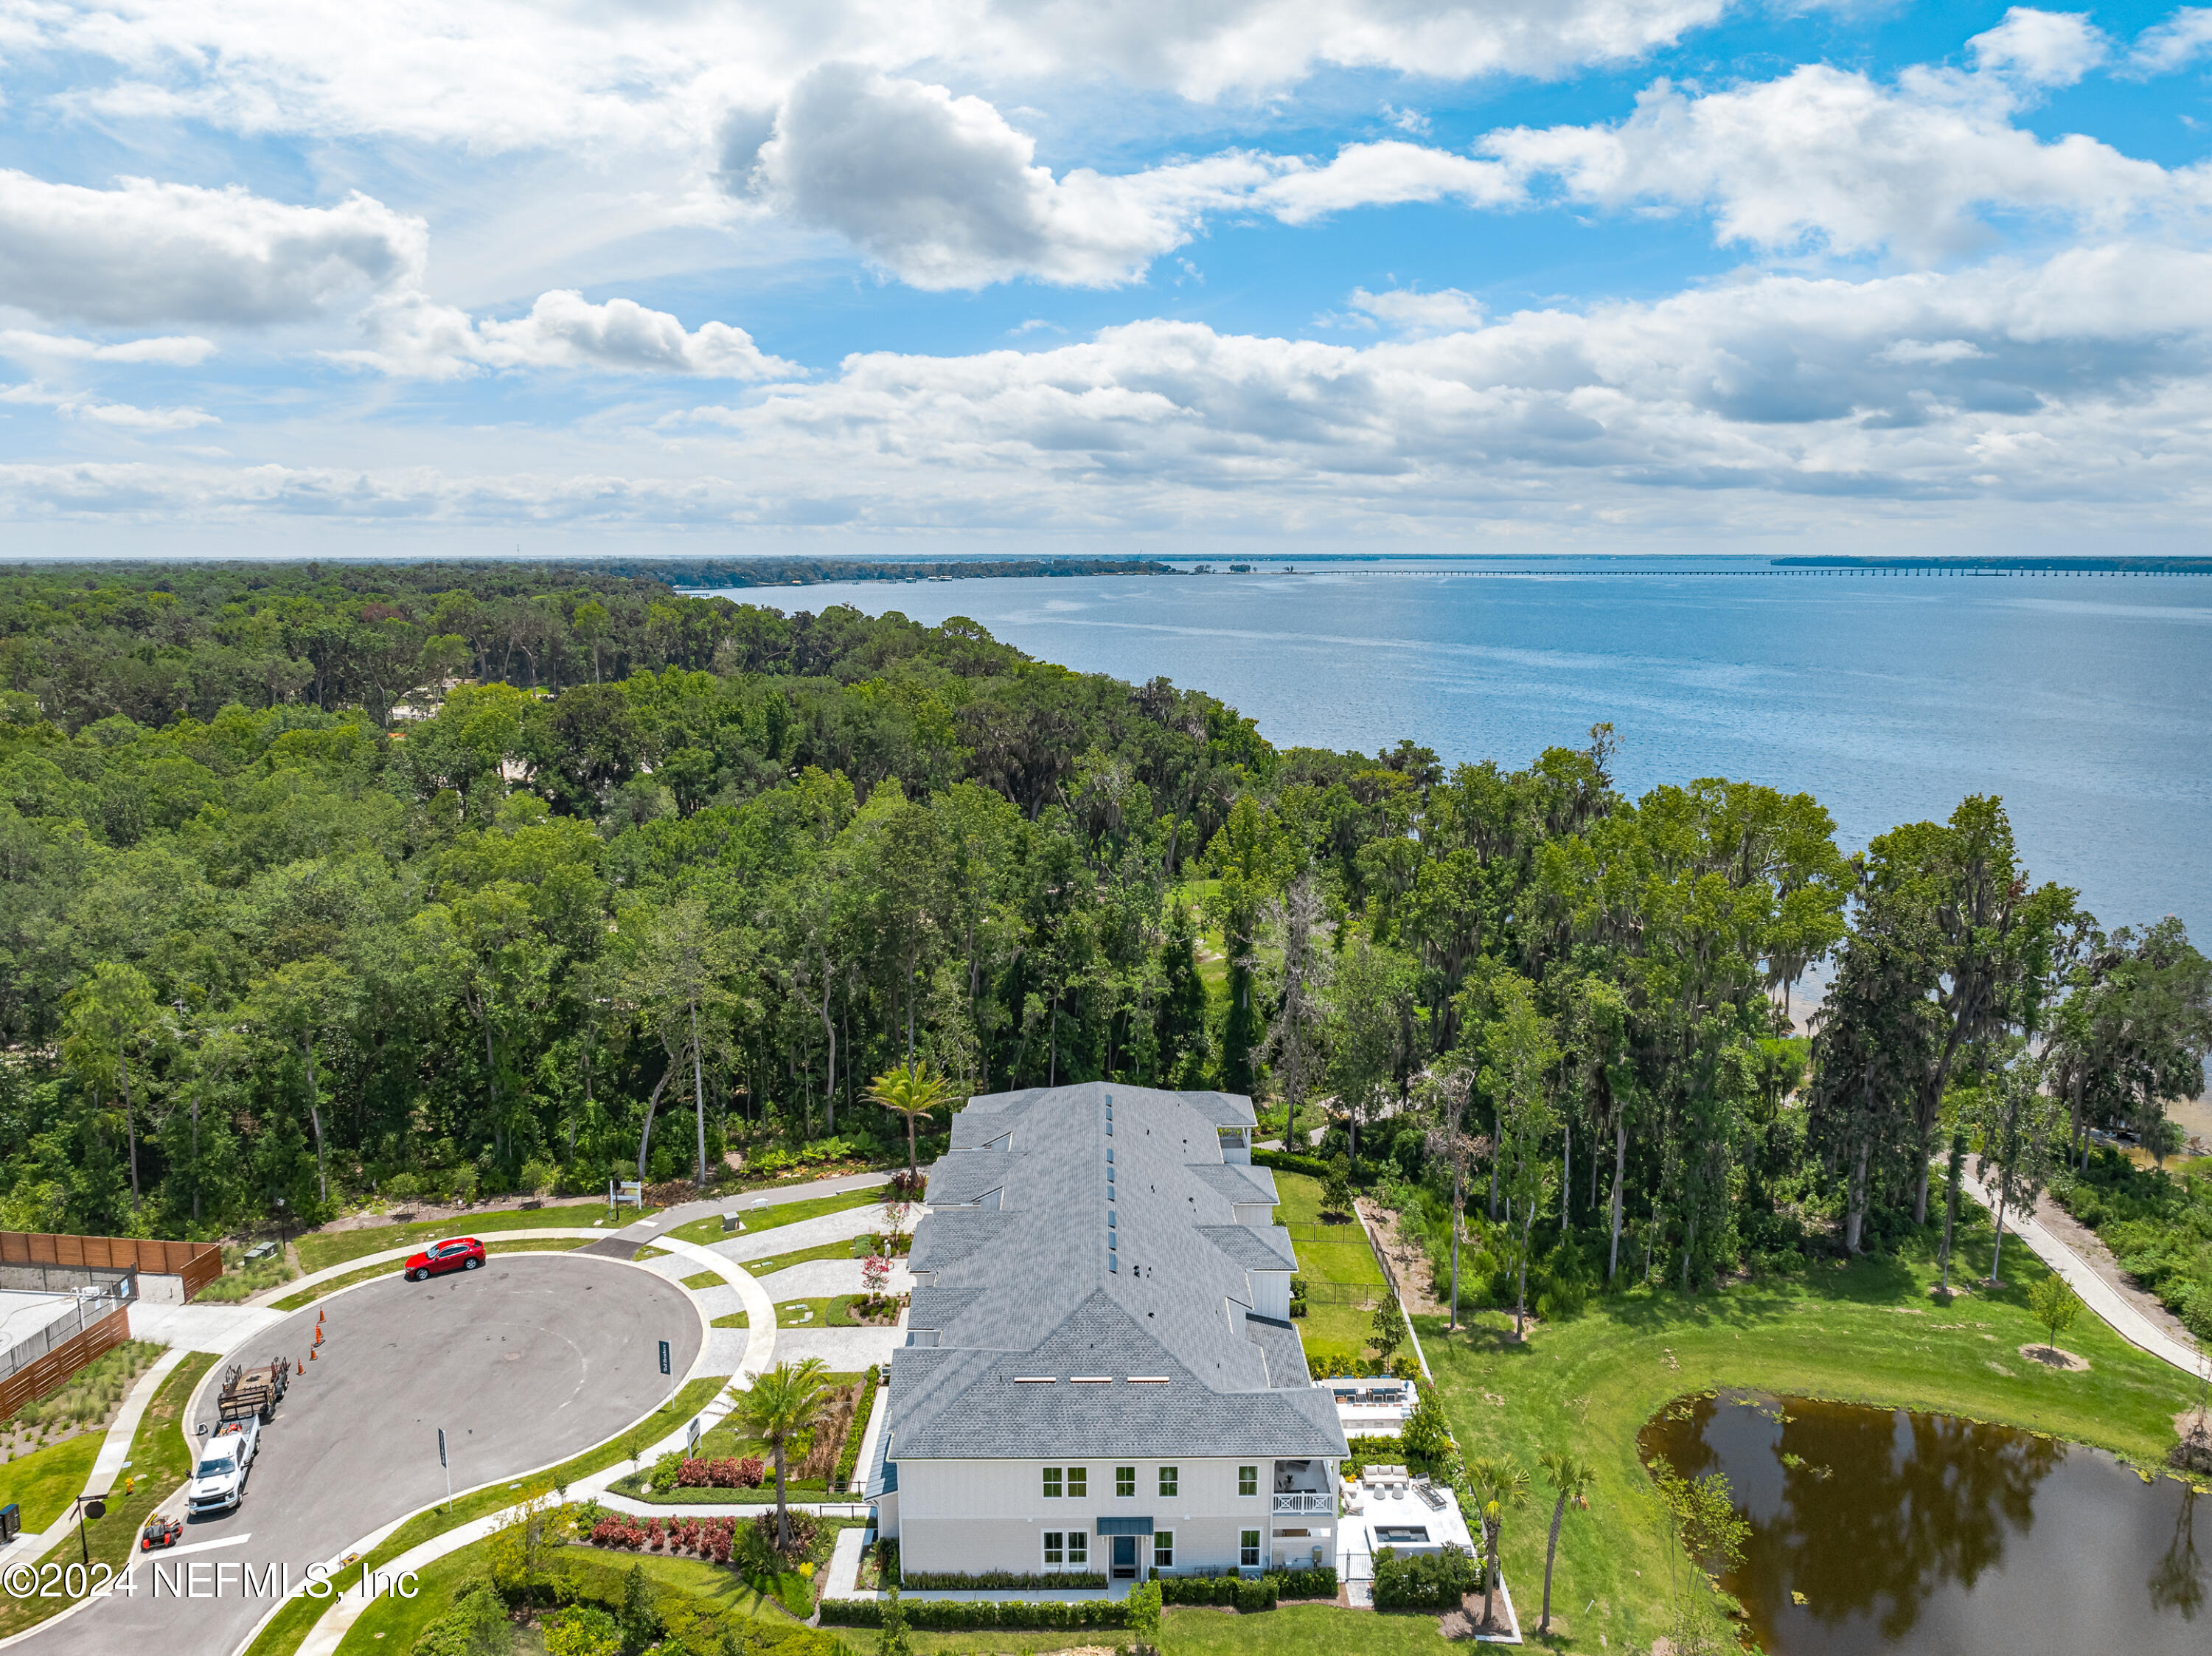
<point x="2086" y="702"/>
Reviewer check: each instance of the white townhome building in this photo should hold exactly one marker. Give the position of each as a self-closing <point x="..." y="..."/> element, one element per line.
<point x="1101" y="1372"/>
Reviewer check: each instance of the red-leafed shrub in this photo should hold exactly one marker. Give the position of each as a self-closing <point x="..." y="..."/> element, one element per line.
<point x="724" y="1474"/>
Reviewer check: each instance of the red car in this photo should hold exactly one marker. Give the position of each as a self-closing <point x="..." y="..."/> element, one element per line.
<point x="460" y="1253"/>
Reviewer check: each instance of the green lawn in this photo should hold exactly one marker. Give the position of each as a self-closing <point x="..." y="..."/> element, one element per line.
<point x="835" y="1312"/>
<point x="159" y="1463"/>
<point x="1867" y="1333"/>
<point x="321" y="1250"/>
<point x="734" y="1319"/>
<point x="706" y="1279"/>
<point x="392" y="1267"/>
<point x="46" y="1481"/>
<point x="756" y="1220"/>
<point x="1329" y="1256"/>
<point x="851" y="1247"/>
<point x="391" y="1625"/>
<point x="281" y="1636"/>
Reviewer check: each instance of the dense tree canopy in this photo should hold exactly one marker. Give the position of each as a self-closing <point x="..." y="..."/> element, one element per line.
<point x="317" y="881"/>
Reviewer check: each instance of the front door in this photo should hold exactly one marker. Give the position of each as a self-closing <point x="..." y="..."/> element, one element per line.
<point x="1125" y="1558"/>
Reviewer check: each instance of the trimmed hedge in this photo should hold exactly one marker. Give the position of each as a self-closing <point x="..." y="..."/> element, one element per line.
<point x="1291" y="1162"/>
<point x="979" y="1616"/>
<point x="848" y="1457"/>
<point x="1234" y="1591"/>
<point x="997" y="1581"/>
<point x="1425" y="1581"/>
<point x="1305" y="1584"/>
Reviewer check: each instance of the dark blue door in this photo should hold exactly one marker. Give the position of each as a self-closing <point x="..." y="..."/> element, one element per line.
<point x="1125" y="1558"/>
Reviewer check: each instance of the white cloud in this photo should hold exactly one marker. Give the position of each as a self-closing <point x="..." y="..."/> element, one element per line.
<point x="2041" y="48"/>
<point x="169" y="351"/>
<point x="503" y="75"/>
<point x="125" y="416"/>
<point x="2167" y="46"/>
<point x="1831" y="160"/>
<point x="147" y="252"/>
<point x="1448" y="311"/>
<point x="943" y="192"/>
<point x="2083" y="382"/>
<point x="416" y="336"/>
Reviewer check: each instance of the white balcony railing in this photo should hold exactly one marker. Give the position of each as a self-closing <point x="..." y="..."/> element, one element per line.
<point x="1306" y="1503"/>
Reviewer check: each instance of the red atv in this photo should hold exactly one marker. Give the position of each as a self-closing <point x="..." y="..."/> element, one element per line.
<point x="160" y="1533"/>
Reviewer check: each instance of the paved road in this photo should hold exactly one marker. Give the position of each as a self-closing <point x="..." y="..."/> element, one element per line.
<point x="535" y="1358"/>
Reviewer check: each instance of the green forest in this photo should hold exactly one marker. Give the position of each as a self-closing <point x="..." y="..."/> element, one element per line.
<point x="318" y="882"/>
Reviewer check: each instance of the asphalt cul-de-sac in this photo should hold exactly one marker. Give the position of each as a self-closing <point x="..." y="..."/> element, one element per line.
<point x="532" y="1358"/>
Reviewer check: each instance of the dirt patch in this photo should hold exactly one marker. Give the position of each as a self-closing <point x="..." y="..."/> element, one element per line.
<point x="1944" y="1296"/>
<point x="1409" y="1259"/>
<point x="2056" y="1356"/>
<point x="1466" y="1622"/>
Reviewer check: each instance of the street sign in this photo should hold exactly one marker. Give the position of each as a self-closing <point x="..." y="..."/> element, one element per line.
<point x="442" y="1461"/>
<point x="691" y="1438"/>
<point x="664" y="1356"/>
<point x="442" y="1446"/>
<point x="630" y="1191"/>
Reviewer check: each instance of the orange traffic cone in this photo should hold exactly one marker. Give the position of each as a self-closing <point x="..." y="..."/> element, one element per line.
<point x="318" y="1333"/>
<point x="299" y="1368"/>
<point x="311" y="1354"/>
<point x="318" y="1316"/>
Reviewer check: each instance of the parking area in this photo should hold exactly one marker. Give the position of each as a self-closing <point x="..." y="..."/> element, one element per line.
<point x="534" y="1358"/>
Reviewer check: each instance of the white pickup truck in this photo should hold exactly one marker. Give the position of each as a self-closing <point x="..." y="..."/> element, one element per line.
<point x="219" y="1480"/>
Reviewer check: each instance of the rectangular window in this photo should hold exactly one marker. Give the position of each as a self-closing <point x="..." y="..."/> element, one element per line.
<point x="1248" y="1548"/>
<point x="1248" y="1480"/>
<point x="1052" y="1483"/>
<point x="1111" y="1222"/>
<point x="1163" y="1550"/>
<point x="1125" y="1482"/>
<point x="1079" y="1550"/>
<point x="1054" y="1555"/>
<point x="1078" y="1479"/>
<point x="1168" y="1480"/>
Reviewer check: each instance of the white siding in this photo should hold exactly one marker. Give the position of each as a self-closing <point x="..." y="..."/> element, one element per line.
<point x="972" y="1515"/>
<point x="1271" y="1294"/>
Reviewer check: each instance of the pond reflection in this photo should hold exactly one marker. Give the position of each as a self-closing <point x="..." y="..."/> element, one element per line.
<point x="1877" y="1529"/>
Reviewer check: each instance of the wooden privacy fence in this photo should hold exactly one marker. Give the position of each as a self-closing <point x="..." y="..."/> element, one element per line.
<point x="96" y="1323"/>
<point x="197" y="1263"/>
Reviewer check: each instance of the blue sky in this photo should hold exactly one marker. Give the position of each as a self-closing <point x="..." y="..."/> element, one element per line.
<point x="1525" y="276"/>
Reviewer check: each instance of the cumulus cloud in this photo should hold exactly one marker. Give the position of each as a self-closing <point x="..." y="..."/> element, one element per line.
<point x="1832" y="160"/>
<point x="1448" y="311"/>
<point x="173" y="351"/>
<point x="416" y="336"/>
<point x="504" y="75"/>
<point x="2180" y="39"/>
<point x="945" y="193"/>
<point x="125" y="416"/>
<point x="2084" y="379"/>
<point x="147" y="252"/>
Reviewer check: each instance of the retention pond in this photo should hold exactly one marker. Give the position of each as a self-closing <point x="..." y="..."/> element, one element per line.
<point x="1883" y="1530"/>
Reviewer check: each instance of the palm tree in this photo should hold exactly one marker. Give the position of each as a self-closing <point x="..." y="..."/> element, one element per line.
<point x="1571" y="1479"/>
<point x="787" y="1400"/>
<point x="914" y="1090"/>
<point x="1501" y="1485"/>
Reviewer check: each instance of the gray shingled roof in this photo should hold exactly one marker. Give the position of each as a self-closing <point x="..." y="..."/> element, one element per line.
<point x="1238" y="1183"/>
<point x="1278" y="1343"/>
<point x="966" y="1174"/>
<point x="1027" y="1289"/>
<point x="1252" y="1247"/>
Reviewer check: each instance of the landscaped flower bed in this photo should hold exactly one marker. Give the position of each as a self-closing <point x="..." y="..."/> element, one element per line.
<point x="702" y="1538"/>
<point x="732" y="1473"/>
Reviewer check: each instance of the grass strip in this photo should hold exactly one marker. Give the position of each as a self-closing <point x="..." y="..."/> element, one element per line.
<point x="756" y="1220"/>
<point x="1865" y="1332"/>
<point x="321" y="1250"/>
<point x="848" y="1248"/>
<point x="43" y="1481"/>
<point x="706" y="1279"/>
<point x="393" y="1268"/>
<point x="735" y="1319"/>
<point x="285" y="1631"/>
<point x="160" y="1461"/>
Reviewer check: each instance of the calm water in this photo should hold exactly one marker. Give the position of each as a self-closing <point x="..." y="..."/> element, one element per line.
<point x="2087" y="702"/>
<point x="1924" y="1535"/>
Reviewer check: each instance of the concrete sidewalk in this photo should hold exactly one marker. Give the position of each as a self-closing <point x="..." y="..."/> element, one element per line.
<point x="2099" y="1295"/>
